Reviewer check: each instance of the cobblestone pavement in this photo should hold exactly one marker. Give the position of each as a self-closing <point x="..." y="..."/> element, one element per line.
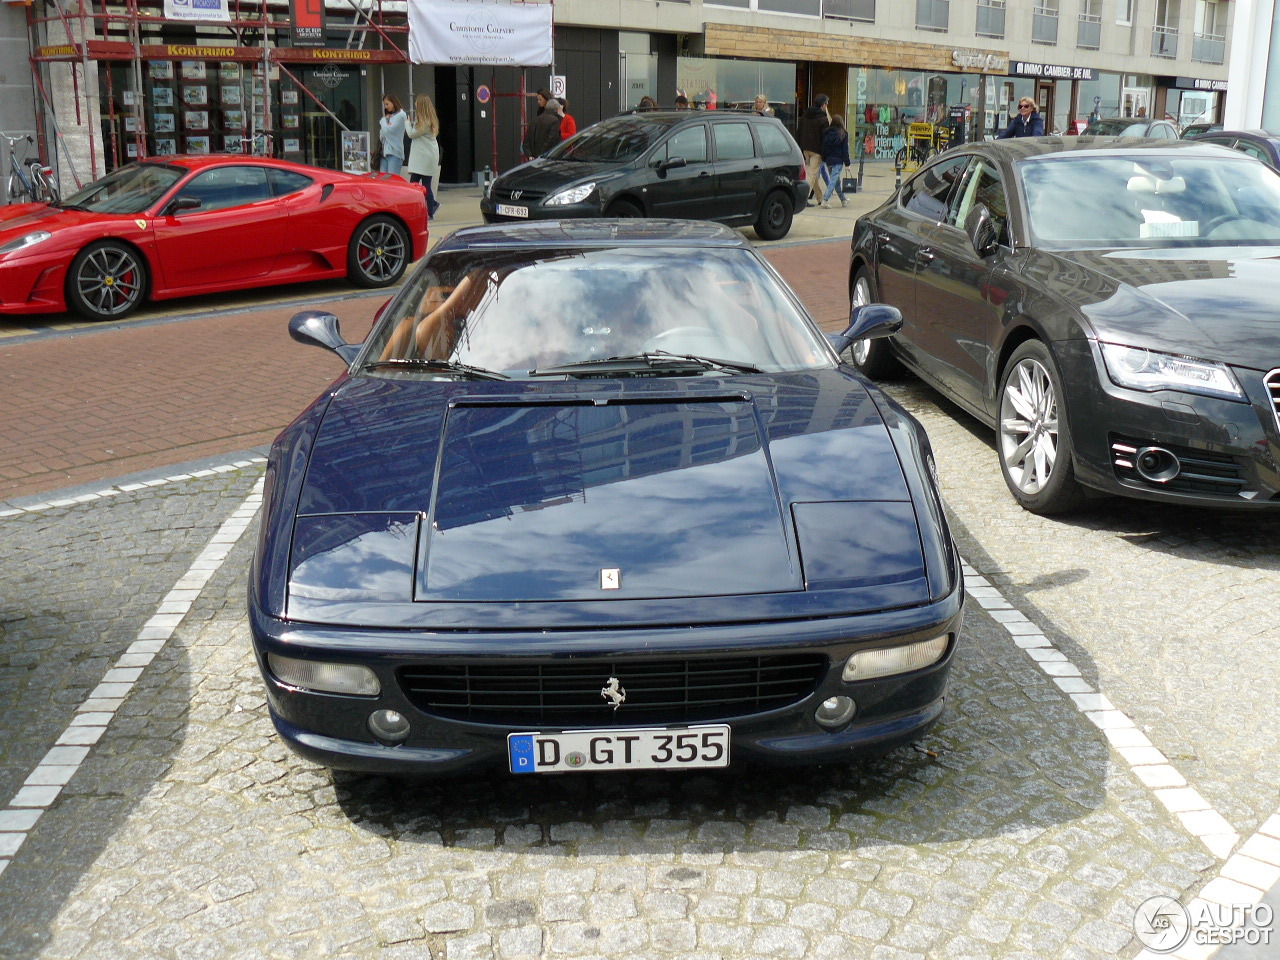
<point x="189" y="831"/>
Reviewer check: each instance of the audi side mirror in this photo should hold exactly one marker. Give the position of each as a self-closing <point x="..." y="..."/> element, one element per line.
<point x="981" y="230"/>
<point x="867" y="322"/>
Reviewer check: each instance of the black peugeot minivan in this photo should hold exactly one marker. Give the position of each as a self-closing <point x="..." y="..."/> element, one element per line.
<point x="737" y="168"/>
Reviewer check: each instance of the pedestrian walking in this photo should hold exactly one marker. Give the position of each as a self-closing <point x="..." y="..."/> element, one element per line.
<point x="391" y="135"/>
<point x="811" y="128"/>
<point x="646" y="103"/>
<point x="835" y="157"/>
<point x="544" y="131"/>
<point x="424" y="149"/>
<point x="1028" y="122"/>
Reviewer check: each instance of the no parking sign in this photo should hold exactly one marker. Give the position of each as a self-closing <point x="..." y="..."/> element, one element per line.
<point x="557" y="86"/>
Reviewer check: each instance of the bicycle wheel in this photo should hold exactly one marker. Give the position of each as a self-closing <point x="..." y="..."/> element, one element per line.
<point x="17" y="188"/>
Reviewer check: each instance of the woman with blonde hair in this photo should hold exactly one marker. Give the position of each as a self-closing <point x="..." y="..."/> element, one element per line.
<point x="424" y="148"/>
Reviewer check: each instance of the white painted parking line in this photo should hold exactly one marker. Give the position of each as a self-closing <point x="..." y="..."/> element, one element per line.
<point x="1148" y="764"/>
<point x="94" y="715"/>
<point x="129" y="488"/>
<point x="1248" y="873"/>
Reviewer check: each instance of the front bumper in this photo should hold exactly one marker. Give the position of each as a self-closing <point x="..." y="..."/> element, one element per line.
<point x="538" y="210"/>
<point x="1228" y="452"/>
<point x="333" y="730"/>
<point x="32" y="285"/>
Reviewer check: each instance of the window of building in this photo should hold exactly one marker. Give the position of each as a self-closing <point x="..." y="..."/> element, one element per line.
<point x="990" y="18"/>
<point x="806" y="8"/>
<point x="1089" y="27"/>
<point x="1124" y="12"/>
<point x="861" y="10"/>
<point x="726" y="84"/>
<point x="1044" y="22"/>
<point x="1209" y="45"/>
<point x="933" y="15"/>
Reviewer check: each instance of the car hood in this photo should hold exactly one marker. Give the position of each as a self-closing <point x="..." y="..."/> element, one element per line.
<point x="428" y="493"/>
<point x="545" y="175"/>
<point x="22" y="218"/>
<point x="1217" y="303"/>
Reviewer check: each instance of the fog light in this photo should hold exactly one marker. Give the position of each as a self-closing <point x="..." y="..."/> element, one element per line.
<point x="868" y="664"/>
<point x="835" y="711"/>
<point x="388" y="726"/>
<point x="325" y="677"/>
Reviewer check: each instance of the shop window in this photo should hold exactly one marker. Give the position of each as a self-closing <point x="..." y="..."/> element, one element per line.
<point x="733" y="141"/>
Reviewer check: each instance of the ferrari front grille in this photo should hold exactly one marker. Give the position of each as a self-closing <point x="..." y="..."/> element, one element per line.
<point x="581" y="692"/>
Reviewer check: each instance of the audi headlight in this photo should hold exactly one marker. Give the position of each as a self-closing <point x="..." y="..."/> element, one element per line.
<point x="571" y="195"/>
<point x="1141" y="369"/>
<point x="27" y="240"/>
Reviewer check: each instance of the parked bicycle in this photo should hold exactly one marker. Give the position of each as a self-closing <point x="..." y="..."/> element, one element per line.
<point x="260" y="144"/>
<point x="29" y="178"/>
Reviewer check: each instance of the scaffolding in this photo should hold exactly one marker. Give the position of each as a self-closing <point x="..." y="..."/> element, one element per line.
<point x="80" y="34"/>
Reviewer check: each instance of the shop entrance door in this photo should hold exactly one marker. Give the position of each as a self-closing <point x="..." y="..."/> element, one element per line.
<point x="1135" y="102"/>
<point x="1044" y="102"/>
<point x="341" y="89"/>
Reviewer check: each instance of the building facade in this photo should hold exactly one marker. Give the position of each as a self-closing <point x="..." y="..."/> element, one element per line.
<point x="114" y="82"/>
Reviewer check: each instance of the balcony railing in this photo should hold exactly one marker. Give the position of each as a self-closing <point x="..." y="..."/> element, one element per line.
<point x="863" y="10"/>
<point x="990" y="19"/>
<point x="1164" y="42"/>
<point x="1208" y="48"/>
<point x="933" y="15"/>
<point x="1044" y="25"/>
<point x="1089" y="32"/>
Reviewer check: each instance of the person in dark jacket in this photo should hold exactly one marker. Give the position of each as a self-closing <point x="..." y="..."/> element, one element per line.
<point x="835" y="157"/>
<point x="809" y="132"/>
<point x="544" y="131"/>
<point x="1028" y="122"/>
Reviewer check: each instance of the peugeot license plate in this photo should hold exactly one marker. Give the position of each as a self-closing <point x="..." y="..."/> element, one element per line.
<point x="656" y="749"/>
<point x="508" y="210"/>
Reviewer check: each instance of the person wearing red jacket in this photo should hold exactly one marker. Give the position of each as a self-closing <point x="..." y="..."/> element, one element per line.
<point x="568" y="125"/>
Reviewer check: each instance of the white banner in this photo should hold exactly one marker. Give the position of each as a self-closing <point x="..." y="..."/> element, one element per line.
<point x="206" y="11"/>
<point x="500" y="34"/>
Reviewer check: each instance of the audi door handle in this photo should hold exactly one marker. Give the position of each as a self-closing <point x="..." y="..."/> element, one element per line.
<point x="924" y="256"/>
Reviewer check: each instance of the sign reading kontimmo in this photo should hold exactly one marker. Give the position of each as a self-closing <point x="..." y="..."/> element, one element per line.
<point x="501" y="34"/>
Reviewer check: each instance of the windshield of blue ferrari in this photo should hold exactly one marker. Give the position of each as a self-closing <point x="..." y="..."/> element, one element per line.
<point x="520" y="311"/>
<point x="1078" y="202"/>
<point x="130" y="189"/>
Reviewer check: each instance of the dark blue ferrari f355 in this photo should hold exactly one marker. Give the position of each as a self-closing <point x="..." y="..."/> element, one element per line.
<point x="598" y="495"/>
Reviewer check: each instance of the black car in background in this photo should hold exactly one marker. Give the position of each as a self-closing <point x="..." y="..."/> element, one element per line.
<point x="1131" y="127"/>
<point x="1199" y="128"/>
<point x="1258" y="144"/>
<point x="1110" y="307"/>
<point x="737" y="169"/>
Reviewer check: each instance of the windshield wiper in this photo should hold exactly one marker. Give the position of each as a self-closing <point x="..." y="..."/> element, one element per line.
<point x="441" y="366"/>
<point x="657" y="361"/>
<point x="71" y="206"/>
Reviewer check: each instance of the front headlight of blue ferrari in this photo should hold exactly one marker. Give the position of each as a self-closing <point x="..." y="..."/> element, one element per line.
<point x="27" y="240"/>
<point x="1141" y="369"/>
<point x="571" y="195"/>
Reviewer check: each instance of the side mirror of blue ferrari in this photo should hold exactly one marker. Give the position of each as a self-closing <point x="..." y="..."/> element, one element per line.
<point x="868" y="322"/>
<point x="320" y="329"/>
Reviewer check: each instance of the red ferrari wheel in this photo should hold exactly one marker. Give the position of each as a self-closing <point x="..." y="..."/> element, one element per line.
<point x="107" y="280"/>
<point x="379" y="252"/>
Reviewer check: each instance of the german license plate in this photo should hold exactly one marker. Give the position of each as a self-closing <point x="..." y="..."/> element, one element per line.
<point x="508" y="210"/>
<point x="685" y="748"/>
